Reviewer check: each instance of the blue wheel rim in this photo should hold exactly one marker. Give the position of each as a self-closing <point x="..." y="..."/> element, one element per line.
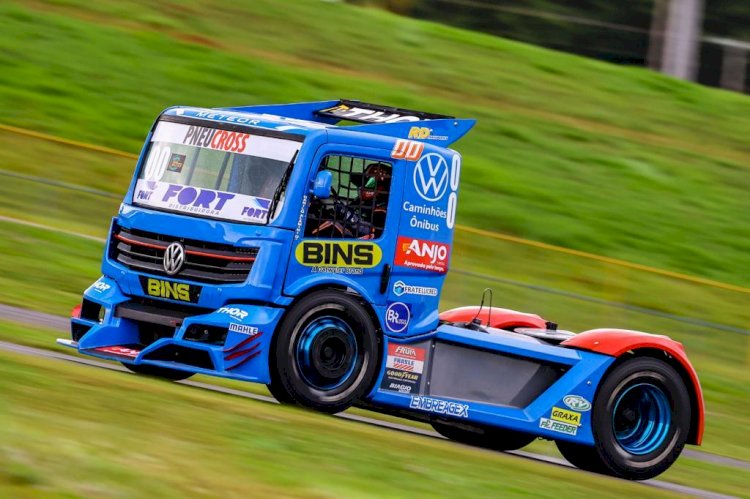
<point x="641" y="418"/>
<point x="326" y="353"/>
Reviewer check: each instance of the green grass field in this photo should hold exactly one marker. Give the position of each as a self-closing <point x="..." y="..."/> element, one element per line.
<point x="117" y="435"/>
<point x="109" y="432"/>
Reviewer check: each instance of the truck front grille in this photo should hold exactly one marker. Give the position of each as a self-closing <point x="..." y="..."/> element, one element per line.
<point x="204" y="261"/>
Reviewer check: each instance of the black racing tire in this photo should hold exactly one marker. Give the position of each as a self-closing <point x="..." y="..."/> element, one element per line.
<point x="326" y="353"/>
<point x="159" y="372"/>
<point x="278" y="392"/>
<point x="582" y="457"/>
<point x="640" y="421"/>
<point x="484" y="436"/>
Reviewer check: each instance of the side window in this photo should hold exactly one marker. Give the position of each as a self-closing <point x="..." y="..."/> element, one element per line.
<point x="358" y="203"/>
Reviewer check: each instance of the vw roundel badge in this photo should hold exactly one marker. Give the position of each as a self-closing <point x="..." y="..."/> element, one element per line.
<point x="174" y="258"/>
<point x="431" y="175"/>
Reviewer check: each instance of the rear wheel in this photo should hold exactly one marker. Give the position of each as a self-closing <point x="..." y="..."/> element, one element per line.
<point x="484" y="436"/>
<point x="640" y="421"/>
<point x="326" y="352"/>
<point x="159" y="372"/>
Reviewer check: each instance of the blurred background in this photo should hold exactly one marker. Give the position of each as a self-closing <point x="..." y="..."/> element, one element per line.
<point x="605" y="184"/>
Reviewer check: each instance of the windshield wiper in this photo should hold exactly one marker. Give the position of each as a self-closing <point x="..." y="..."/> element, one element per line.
<point x="281" y="187"/>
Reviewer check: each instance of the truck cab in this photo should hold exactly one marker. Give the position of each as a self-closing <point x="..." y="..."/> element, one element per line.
<point x="234" y="214"/>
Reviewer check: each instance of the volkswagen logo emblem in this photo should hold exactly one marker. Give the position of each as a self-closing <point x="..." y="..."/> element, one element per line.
<point x="431" y="177"/>
<point x="174" y="258"/>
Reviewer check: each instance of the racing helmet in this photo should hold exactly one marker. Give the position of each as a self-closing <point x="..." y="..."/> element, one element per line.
<point x="376" y="181"/>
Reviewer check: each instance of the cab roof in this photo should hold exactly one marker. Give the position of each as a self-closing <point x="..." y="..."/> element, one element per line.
<point x="305" y="117"/>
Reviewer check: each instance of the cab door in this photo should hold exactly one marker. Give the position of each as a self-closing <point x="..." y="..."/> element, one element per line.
<point x="349" y="237"/>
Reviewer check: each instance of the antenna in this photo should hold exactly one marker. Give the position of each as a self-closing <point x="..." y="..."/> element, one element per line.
<point x="481" y="305"/>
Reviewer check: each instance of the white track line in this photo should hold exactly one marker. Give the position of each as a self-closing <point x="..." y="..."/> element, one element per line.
<point x="50" y="229"/>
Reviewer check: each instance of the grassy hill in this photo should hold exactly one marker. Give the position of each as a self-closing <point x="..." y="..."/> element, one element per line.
<point x="602" y="158"/>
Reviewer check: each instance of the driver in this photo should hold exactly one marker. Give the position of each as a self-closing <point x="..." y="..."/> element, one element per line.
<point x="362" y="217"/>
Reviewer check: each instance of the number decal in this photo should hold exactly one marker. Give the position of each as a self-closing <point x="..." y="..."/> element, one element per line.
<point x="157" y="162"/>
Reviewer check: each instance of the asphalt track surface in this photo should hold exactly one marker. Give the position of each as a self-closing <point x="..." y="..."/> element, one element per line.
<point x="60" y="323"/>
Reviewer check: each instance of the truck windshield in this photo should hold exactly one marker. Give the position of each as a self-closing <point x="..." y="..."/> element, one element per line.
<point x="212" y="172"/>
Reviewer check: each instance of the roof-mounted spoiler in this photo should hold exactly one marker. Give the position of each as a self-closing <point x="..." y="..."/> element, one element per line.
<point x="362" y="112"/>
<point x="382" y="120"/>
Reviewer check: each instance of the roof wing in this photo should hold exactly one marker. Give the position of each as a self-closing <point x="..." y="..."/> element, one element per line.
<point x="331" y="112"/>
<point x="363" y="112"/>
<point x="300" y="111"/>
<point x="433" y="128"/>
<point x="439" y="132"/>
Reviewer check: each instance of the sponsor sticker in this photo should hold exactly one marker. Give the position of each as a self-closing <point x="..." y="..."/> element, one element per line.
<point x="399" y="387"/>
<point x="100" y="286"/>
<point x="424" y="133"/>
<point x="355" y="113"/>
<point x="230" y="118"/>
<point x="439" y="406"/>
<point x="170" y="290"/>
<point x="431" y="177"/>
<point x="176" y="162"/>
<point x="119" y="351"/>
<point x="404" y="368"/>
<point x="234" y="313"/>
<point x="397" y="317"/>
<point x="421" y="254"/>
<point x="401" y="381"/>
<point x="201" y="201"/>
<point x="423" y="216"/>
<point x="400" y="288"/>
<point x="243" y="329"/>
<point x="566" y="416"/>
<point x="405" y="358"/>
<point x="558" y="426"/>
<point x="212" y="138"/>
<point x="169" y="133"/>
<point x="577" y="403"/>
<point x="326" y="253"/>
<point x="301" y="219"/>
<point x="407" y="149"/>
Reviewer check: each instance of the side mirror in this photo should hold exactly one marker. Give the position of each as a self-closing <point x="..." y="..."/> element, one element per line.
<point x="322" y="184"/>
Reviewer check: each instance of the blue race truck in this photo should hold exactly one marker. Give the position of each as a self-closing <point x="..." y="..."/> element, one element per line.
<point x="304" y="246"/>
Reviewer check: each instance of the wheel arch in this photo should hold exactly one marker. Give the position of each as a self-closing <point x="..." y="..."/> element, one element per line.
<point x="343" y="290"/>
<point x="625" y="345"/>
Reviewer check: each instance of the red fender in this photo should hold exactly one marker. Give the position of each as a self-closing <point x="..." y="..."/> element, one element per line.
<point x="616" y="342"/>
<point x="501" y="317"/>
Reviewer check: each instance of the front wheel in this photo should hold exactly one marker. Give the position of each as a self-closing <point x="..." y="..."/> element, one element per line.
<point x="484" y="436"/>
<point x="326" y="352"/>
<point x="640" y="421"/>
<point x="159" y="372"/>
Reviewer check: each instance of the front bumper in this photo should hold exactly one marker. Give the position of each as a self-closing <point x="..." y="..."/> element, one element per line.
<point x="232" y="341"/>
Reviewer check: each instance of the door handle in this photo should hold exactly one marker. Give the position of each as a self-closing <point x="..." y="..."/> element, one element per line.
<point x="384" y="278"/>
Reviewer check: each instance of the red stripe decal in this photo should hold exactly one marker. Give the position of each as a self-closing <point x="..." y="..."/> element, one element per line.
<point x="243" y="342"/>
<point x="222" y="257"/>
<point x="189" y="252"/>
<point x="118" y="350"/>
<point x="251" y="357"/>
<point x="240" y="353"/>
<point x="139" y="243"/>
